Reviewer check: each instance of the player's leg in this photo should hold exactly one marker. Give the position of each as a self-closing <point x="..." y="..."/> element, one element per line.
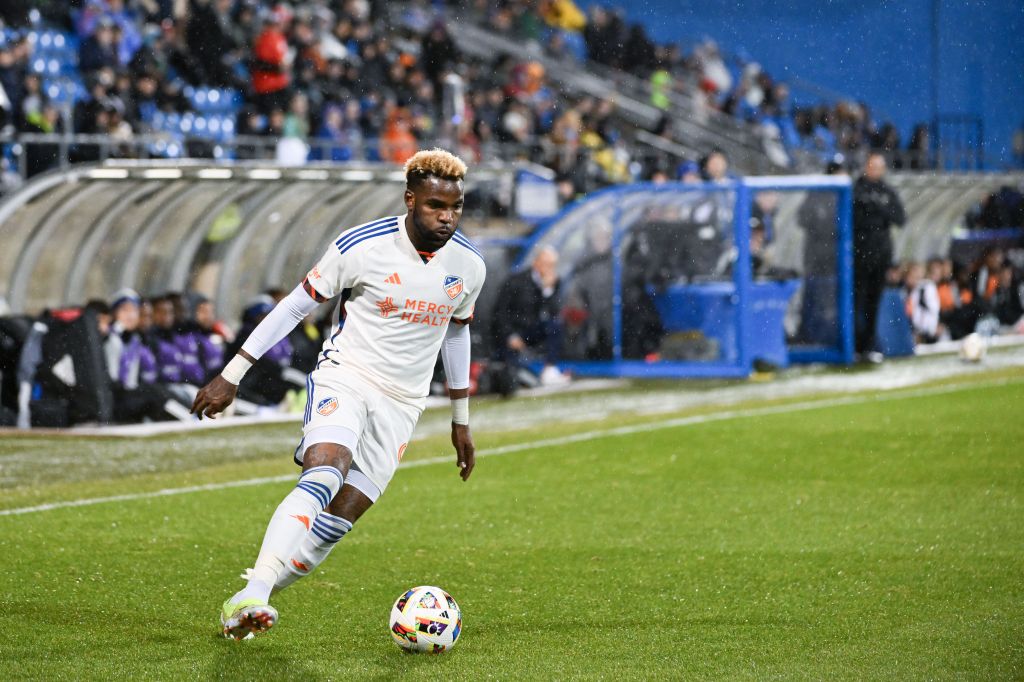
<point x="323" y="476"/>
<point x="329" y="528"/>
<point x="380" y="448"/>
<point x="331" y="432"/>
<point x="324" y="468"/>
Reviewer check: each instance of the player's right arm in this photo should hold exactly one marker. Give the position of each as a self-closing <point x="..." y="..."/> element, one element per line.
<point x="288" y="313"/>
<point x="321" y="284"/>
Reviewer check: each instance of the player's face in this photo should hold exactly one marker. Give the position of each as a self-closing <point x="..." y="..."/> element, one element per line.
<point x="435" y="206"/>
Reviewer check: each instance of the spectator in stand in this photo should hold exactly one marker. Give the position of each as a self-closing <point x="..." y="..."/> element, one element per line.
<point x="1002" y="208"/>
<point x="163" y="343"/>
<point x="715" y="76"/>
<point x="215" y="40"/>
<point x="438" y="53"/>
<point x="271" y="67"/>
<point x="715" y="166"/>
<point x="332" y="130"/>
<point x="601" y="36"/>
<point x="967" y="309"/>
<point x="296" y="121"/>
<point x="202" y="348"/>
<point x="32" y="101"/>
<point x="274" y="126"/>
<point x="12" y="83"/>
<point x="689" y="171"/>
<point x="1008" y="301"/>
<point x="919" y="148"/>
<point x="132" y="367"/>
<point x="638" y="52"/>
<point x="398" y="143"/>
<point x="145" y="317"/>
<point x="945" y="287"/>
<point x="42" y="156"/>
<point x="985" y="279"/>
<point x="99" y="50"/>
<point x="127" y="38"/>
<point x="661" y="88"/>
<point x="922" y="304"/>
<point x="876" y="207"/>
<point x="563" y="14"/>
<point x="527" y="317"/>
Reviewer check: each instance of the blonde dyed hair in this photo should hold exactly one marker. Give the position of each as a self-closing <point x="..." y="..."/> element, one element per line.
<point x="434" y="162"/>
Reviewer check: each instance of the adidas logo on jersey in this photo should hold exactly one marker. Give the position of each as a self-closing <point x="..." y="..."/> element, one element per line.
<point x="393" y="279"/>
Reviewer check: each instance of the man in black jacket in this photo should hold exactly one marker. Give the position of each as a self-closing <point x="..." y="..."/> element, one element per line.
<point x="527" y="316"/>
<point x="876" y="207"/>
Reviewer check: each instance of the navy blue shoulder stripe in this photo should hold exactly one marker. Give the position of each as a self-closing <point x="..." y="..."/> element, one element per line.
<point x="380" y="232"/>
<point x="362" y="229"/>
<point x="459" y="239"/>
<point x="349" y="241"/>
<point x="357" y="232"/>
<point x="372" y="223"/>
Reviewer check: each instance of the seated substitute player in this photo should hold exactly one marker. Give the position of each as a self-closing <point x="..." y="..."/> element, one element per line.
<point x="400" y="280"/>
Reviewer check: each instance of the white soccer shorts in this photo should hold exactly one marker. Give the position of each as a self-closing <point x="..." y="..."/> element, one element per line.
<point x="343" y="408"/>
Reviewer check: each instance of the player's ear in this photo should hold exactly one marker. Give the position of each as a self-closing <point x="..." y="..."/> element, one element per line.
<point x="410" y="199"/>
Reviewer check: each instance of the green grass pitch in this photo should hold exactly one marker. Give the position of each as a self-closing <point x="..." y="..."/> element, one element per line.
<point x="877" y="538"/>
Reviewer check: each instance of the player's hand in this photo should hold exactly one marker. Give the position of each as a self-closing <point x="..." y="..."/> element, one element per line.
<point x="214" y="397"/>
<point x="465" y="451"/>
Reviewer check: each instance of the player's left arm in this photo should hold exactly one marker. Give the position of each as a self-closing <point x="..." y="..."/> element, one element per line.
<point x="455" y="357"/>
<point x="455" y="350"/>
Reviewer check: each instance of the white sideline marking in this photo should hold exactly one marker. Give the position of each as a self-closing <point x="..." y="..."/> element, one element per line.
<point x="546" y="442"/>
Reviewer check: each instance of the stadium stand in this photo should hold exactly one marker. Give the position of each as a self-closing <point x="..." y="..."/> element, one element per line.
<point x="247" y="108"/>
<point x="361" y="80"/>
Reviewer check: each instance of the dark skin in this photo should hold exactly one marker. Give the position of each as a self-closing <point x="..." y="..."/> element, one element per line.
<point x="435" y="206"/>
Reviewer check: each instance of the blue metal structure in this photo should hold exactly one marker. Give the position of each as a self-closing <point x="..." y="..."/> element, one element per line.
<point x="732" y="288"/>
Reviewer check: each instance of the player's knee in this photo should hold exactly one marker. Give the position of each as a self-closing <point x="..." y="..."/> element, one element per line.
<point x="350" y="504"/>
<point x="328" y="454"/>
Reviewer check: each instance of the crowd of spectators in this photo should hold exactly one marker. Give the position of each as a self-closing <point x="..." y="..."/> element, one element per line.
<point x="356" y="79"/>
<point x="336" y="76"/>
<point x="136" y="359"/>
<point x="1000" y="209"/>
<point x="946" y="300"/>
<point x="735" y="85"/>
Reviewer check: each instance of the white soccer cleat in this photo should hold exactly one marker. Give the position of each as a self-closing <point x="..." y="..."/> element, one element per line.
<point x="246" y="618"/>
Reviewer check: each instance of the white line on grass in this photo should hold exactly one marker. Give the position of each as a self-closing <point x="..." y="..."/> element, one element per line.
<point x="547" y="442"/>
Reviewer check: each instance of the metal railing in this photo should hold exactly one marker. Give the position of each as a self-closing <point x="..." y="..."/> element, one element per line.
<point x="37" y="152"/>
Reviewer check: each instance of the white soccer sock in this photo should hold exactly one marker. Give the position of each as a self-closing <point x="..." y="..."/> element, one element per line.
<point x="288" y="526"/>
<point x="327" y="530"/>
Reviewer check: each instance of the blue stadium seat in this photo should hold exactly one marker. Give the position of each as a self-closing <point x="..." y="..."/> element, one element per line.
<point x="213" y="100"/>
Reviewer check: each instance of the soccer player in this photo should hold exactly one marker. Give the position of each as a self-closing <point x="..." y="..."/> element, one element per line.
<point x="401" y="281"/>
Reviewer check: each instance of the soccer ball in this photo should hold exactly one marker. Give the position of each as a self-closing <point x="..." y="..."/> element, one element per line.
<point x="426" y="619"/>
<point x="972" y="348"/>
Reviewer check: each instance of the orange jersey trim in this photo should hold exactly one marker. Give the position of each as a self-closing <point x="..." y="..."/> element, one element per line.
<point x="313" y="293"/>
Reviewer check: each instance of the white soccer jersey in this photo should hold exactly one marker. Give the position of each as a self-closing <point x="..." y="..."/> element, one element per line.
<point x="395" y="307"/>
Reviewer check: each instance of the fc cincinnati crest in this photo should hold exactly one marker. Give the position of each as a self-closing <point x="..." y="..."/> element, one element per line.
<point x="453" y="286"/>
<point x="327" y="405"/>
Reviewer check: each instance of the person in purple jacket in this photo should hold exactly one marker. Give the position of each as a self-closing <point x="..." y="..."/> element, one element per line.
<point x="202" y="350"/>
<point x="162" y="341"/>
<point x="132" y="367"/>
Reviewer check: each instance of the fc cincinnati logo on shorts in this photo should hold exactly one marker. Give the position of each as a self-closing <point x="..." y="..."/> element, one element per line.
<point x="453" y="286"/>
<point x="327" y="405"/>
